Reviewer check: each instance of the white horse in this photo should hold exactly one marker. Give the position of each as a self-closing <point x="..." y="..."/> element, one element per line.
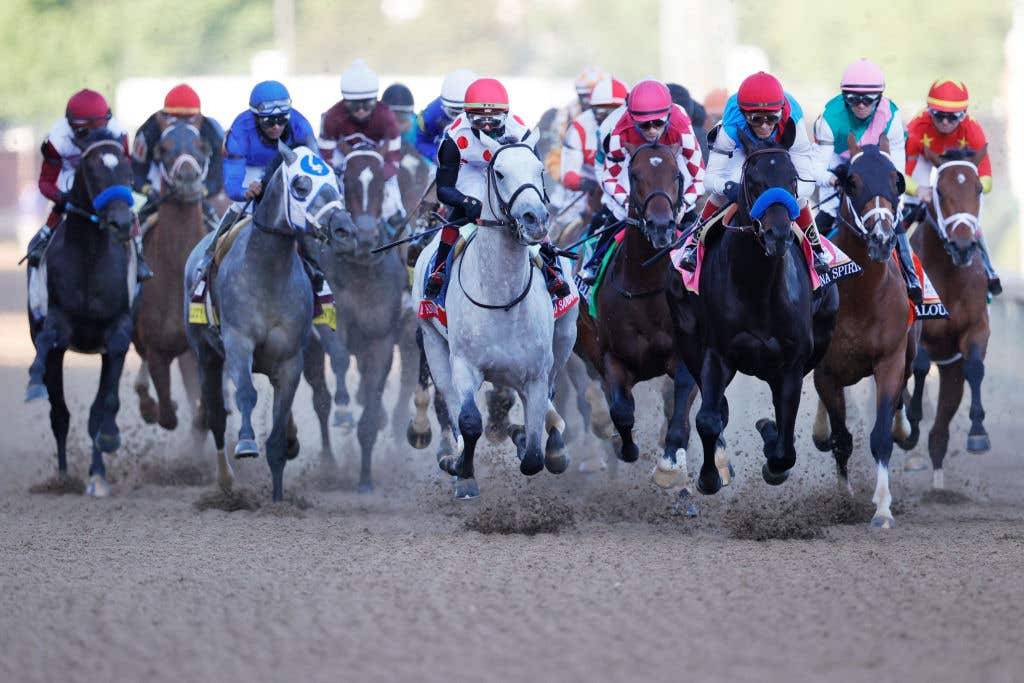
<point x="501" y="326"/>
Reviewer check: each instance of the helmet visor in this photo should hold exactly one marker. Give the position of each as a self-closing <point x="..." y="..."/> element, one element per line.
<point x="487" y="121"/>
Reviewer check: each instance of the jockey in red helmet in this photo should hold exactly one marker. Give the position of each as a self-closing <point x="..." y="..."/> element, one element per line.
<point x="650" y="116"/>
<point x="761" y="110"/>
<point x="86" y="110"/>
<point x="468" y="145"/>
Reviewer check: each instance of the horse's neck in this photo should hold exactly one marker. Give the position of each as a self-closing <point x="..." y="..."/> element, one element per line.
<point x="271" y="252"/>
<point x="857" y="249"/>
<point x="84" y="235"/>
<point x="756" y="274"/>
<point x="502" y="262"/>
<point x="182" y="225"/>
<point x="636" y="249"/>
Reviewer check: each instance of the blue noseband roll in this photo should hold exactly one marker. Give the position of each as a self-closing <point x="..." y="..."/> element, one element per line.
<point x="775" y="195"/>
<point x="112" y="194"/>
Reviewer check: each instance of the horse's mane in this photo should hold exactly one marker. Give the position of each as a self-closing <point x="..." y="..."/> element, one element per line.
<point x="957" y="154"/>
<point x="97" y="135"/>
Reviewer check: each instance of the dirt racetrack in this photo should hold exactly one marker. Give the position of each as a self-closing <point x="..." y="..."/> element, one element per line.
<point x="582" y="577"/>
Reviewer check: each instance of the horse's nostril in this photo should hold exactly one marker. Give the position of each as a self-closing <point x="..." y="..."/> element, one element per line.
<point x="529" y="217"/>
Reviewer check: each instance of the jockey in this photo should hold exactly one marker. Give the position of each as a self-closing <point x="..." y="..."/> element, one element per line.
<point x="943" y="126"/>
<point x="695" y="110"/>
<point x="359" y="117"/>
<point x="650" y="116"/>
<point x="579" y="147"/>
<point x="440" y="113"/>
<point x="400" y="101"/>
<point x="86" y="110"/>
<point x="465" y="151"/>
<point x="762" y="110"/>
<point x="251" y="144"/>
<point x="180" y="104"/>
<point x="584" y="85"/>
<point x="860" y="108"/>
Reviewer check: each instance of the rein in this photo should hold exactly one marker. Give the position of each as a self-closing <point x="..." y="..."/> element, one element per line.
<point x="504" y="205"/>
<point x="492" y="307"/>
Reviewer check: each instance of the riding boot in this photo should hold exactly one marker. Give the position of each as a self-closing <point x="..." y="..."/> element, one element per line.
<point x="230" y="216"/>
<point x="37" y="246"/>
<point x="556" y="283"/>
<point x="688" y="259"/>
<point x="906" y="257"/>
<point x="824" y="222"/>
<point x="142" y="270"/>
<point x="449" y="235"/>
<point x="210" y="217"/>
<point x="995" y="287"/>
<point x="590" y="270"/>
<point x="805" y="221"/>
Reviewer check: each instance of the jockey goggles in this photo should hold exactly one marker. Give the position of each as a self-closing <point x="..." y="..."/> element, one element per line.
<point x="275" y="120"/>
<point x="759" y="118"/>
<point x="489" y="121"/>
<point x="855" y="98"/>
<point x="361" y="105"/>
<point x="948" y="116"/>
<point x="653" y="123"/>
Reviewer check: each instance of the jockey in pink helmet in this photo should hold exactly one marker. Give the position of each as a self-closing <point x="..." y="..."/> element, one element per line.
<point x="650" y="117"/>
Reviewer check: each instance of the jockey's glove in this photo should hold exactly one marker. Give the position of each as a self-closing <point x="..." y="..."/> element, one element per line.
<point x="589" y="185"/>
<point x="472" y="208"/>
<point x="732" y="191"/>
<point x="61" y="203"/>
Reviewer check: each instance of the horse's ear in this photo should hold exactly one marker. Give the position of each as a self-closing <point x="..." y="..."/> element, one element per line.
<point x="289" y="156"/>
<point x="851" y="143"/>
<point x="883" y="143"/>
<point x="931" y="156"/>
<point x="842" y="173"/>
<point x="629" y="147"/>
<point x="901" y="183"/>
<point x="788" y="134"/>
<point x="748" y="143"/>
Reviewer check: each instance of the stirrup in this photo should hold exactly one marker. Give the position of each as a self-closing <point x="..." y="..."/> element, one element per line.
<point x="688" y="259"/>
<point x="995" y="287"/>
<point x="915" y="293"/>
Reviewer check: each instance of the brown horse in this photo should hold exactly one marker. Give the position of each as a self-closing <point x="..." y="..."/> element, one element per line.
<point x="873" y="334"/>
<point x="632" y="339"/>
<point x="182" y="155"/>
<point x="948" y="244"/>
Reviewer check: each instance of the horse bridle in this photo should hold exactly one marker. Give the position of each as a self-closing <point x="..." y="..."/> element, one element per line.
<point x="641" y="213"/>
<point x="181" y="160"/>
<point x="101" y="200"/>
<point x="859" y="227"/>
<point x="505" y="206"/>
<point x="755" y="227"/>
<point x="941" y="223"/>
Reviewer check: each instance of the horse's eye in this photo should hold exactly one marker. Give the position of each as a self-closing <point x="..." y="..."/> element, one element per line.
<point x="301" y="187"/>
<point x="499" y="174"/>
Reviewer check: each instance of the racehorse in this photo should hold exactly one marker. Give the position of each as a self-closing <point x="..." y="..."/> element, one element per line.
<point x="756" y="312"/>
<point x="875" y="334"/>
<point x="501" y="326"/>
<point x="368" y="291"/>
<point x="632" y="338"/>
<point x="90" y="286"/>
<point x="948" y="246"/>
<point x="183" y="157"/>
<point x="264" y="301"/>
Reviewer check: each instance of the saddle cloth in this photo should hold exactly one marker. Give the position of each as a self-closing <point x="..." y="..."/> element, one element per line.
<point x="588" y="293"/>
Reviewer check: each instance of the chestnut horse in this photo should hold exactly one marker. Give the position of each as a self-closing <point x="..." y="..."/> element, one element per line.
<point x="948" y="244"/>
<point x="632" y="338"/>
<point x="874" y="335"/>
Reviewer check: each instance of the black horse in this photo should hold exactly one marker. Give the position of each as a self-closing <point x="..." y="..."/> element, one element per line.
<point x="88" y="305"/>
<point x="756" y="312"/>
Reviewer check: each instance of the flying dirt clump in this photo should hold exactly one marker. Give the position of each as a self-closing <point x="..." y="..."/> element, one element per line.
<point x="59" y="485"/>
<point x="802" y="518"/>
<point x="233" y="501"/>
<point x="528" y="516"/>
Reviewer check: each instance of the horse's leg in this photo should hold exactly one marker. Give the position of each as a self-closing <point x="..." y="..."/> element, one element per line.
<point x="563" y="392"/>
<point x="951" y="390"/>
<point x="830" y="431"/>
<point x="437" y="353"/>
<point x="974" y="372"/>
<point x="921" y="365"/>
<point x="374" y="365"/>
<point x="147" y="406"/>
<point x="576" y="371"/>
<point x="313" y="371"/>
<point x="60" y="417"/>
<point x="670" y="470"/>
<point x="446" y="442"/>
<point x="188" y="368"/>
<point x="528" y="440"/>
<point x="888" y="386"/>
<point x="338" y="351"/>
<point x="409" y="355"/>
<point x="160" y="371"/>
<point x="103" y="414"/>
<point x="499" y="403"/>
<point x="620" y="403"/>
<point x="238" y="350"/>
<point x="466" y="380"/>
<point x="418" y="430"/>
<point x="778" y="435"/>
<point x="286" y="381"/>
<point x="54" y="334"/>
<point x="211" y="377"/>
<point x="712" y="417"/>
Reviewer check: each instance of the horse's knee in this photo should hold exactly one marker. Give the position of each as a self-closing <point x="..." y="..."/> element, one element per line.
<point x="922" y="362"/>
<point x="974" y="369"/>
<point x="709" y="423"/>
<point x="621" y="411"/>
<point x="470" y="422"/>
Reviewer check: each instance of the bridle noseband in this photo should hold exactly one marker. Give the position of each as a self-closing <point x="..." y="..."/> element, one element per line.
<point x="183" y="159"/>
<point x="755" y="227"/>
<point x="881" y="214"/>
<point x="941" y="223"/>
<point x="639" y="209"/>
<point x="505" y="206"/>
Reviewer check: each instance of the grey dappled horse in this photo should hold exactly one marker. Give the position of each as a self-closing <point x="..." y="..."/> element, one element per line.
<point x="501" y="327"/>
<point x="265" y="304"/>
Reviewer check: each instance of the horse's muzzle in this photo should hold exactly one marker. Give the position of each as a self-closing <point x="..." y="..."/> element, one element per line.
<point x="660" y="234"/>
<point x="961" y="252"/>
<point x="532" y="225"/>
<point x="880" y="249"/>
<point x="776" y="236"/>
<point x="119" y="221"/>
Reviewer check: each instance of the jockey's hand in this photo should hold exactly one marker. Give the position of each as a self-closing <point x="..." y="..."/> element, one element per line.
<point x="589" y="185"/>
<point x="61" y="203"/>
<point x="924" y="193"/>
<point x="732" y="191"/>
<point x="255" y="190"/>
<point x="472" y="208"/>
<point x="833" y="181"/>
<point x="151" y="194"/>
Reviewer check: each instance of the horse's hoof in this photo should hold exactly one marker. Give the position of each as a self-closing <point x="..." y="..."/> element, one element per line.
<point x="556" y="463"/>
<point x="496" y="431"/>
<point x="709" y="488"/>
<point x="531" y="464"/>
<point x="879" y="522"/>
<point x="667" y="474"/>
<point x="447" y="464"/>
<point x="343" y="420"/>
<point x="684" y="505"/>
<point x="247" y="448"/>
<point x="773" y="478"/>
<point x="824" y="445"/>
<point x="149" y="410"/>
<point x="36" y="392"/>
<point x="365" y="487"/>
<point x="978" y="443"/>
<point x="97" y="487"/>
<point x="108" y="443"/>
<point x="416" y="438"/>
<point x="466" y="489"/>
<point x="169" y="422"/>
<point x="629" y="453"/>
<point x="915" y="463"/>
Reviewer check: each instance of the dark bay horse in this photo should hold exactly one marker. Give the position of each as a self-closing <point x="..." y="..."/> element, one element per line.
<point x="183" y="157"/>
<point x="89" y="298"/>
<point x="947" y="243"/>
<point x="265" y="304"/>
<point x="632" y="338"/>
<point x="756" y="312"/>
<point x="368" y="290"/>
<point x="873" y="335"/>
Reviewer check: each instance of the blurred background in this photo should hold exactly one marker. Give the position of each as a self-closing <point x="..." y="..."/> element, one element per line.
<point x="135" y="51"/>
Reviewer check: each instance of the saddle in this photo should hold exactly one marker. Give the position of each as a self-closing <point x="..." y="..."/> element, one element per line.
<point x="225" y="241"/>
